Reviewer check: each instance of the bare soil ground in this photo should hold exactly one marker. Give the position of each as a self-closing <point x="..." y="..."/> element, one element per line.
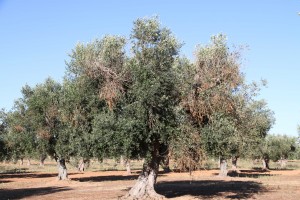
<point x="27" y="183"/>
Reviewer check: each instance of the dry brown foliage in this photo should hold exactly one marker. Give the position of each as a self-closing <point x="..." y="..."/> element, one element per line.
<point x="19" y="128"/>
<point x="43" y="134"/>
<point x="216" y="76"/>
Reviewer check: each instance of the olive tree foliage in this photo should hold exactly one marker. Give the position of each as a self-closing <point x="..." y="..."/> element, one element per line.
<point x="220" y="104"/>
<point x="277" y="148"/>
<point x="33" y="123"/>
<point x="93" y="84"/>
<point x="19" y="137"/>
<point x="101" y="61"/>
<point x="43" y="111"/>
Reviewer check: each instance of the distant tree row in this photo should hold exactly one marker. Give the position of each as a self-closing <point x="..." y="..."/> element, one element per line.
<point x="151" y="104"/>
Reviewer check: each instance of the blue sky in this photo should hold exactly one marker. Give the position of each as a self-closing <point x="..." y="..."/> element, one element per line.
<point x="36" y="37"/>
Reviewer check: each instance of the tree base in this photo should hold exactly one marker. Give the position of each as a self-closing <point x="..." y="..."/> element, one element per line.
<point x="223" y="168"/>
<point x="62" y="170"/>
<point x="144" y="189"/>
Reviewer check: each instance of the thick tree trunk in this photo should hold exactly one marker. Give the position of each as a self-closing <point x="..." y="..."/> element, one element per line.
<point x="81" y="166"/>
<point x="234" y="160"/>
<point x="21" y="161"/>
<point x="166" y="164"/>
<point x="144" y="187"/>
<point x="282" y="163"/>
<point x="42" y="163"/>
<point x="265" y="163"/>
<point x="122" y="163"/>
<point x="128" y="168"/>
<point x="62" y="170"/>
<point x="223" y="167"/>
<point x="42" y="160"/>
<point x="28" y="162"/>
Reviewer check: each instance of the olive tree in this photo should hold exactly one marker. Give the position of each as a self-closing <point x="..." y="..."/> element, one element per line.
<point x="93" y="84"/>
<point x="42" y="105"/>
<point x="277" y="148"/>
<point x="19" y="137"/>
<point x="140" y="117"/>
<point x="219" y="101"/>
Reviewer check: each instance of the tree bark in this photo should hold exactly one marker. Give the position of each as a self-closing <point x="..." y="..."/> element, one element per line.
<point x="265" y="162"/>
<point x="81" y="166"/>
<point x="21" y="161"/>
<point x="144" y="187"/>
<point x="234" y="160"/>
<point x="42" y="160"/>
<point x="122" y="163"/>
<point x="62" y="170"/>
<point x="128" y="168"/>
<point x="282" y="163"/>
<point x="223" y="167"/>
<point x="28" y="162"/>
<point x="166" y="164"/>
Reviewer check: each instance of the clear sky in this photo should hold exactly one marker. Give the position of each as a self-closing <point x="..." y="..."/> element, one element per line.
<point x="36" y="37"/>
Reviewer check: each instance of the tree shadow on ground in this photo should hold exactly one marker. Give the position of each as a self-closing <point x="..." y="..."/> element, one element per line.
<point x="105" y="178"/>
<point x="273" y="169"/>
<point x="4" y="181"/>
<point x="254" y="173"/>
<point x="210" y="189"/>
<point x="28" y="192"/>
<point x="14" y="171"/>
<point x="250" y="173"/>
<point x="29" y="175"/>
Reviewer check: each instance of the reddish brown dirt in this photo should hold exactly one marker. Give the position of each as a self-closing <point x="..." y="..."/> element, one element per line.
<point x="249" y="184"/>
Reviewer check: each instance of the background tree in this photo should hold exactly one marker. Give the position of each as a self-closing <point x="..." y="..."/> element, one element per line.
<point x="20" y="138"/>
<point x="280" y="148"/>
<point x="92" y="86"/>
<point x="43" y="111"/>
<point x="252" y="125"/>
<point x="276" y="148"/>
<point x="218" y="101"/>
<point x="32" y="122"/>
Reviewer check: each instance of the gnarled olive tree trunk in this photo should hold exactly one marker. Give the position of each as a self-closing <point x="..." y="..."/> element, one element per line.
<point x="223" y="167"/>
<point x="166" y="164"/>
<point x="42" y="160"/>
<point x="21" y="161"/>
<point x="83" y="164"/>
<point x="144" y="187"/>
<point x="28" y="162"/>
<point x="234" y="160"/>
<point x="128" y="168"/>
<point x="62" y="170"/>
<point x="282" y="163"/>
<point x="265" y="162"/>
